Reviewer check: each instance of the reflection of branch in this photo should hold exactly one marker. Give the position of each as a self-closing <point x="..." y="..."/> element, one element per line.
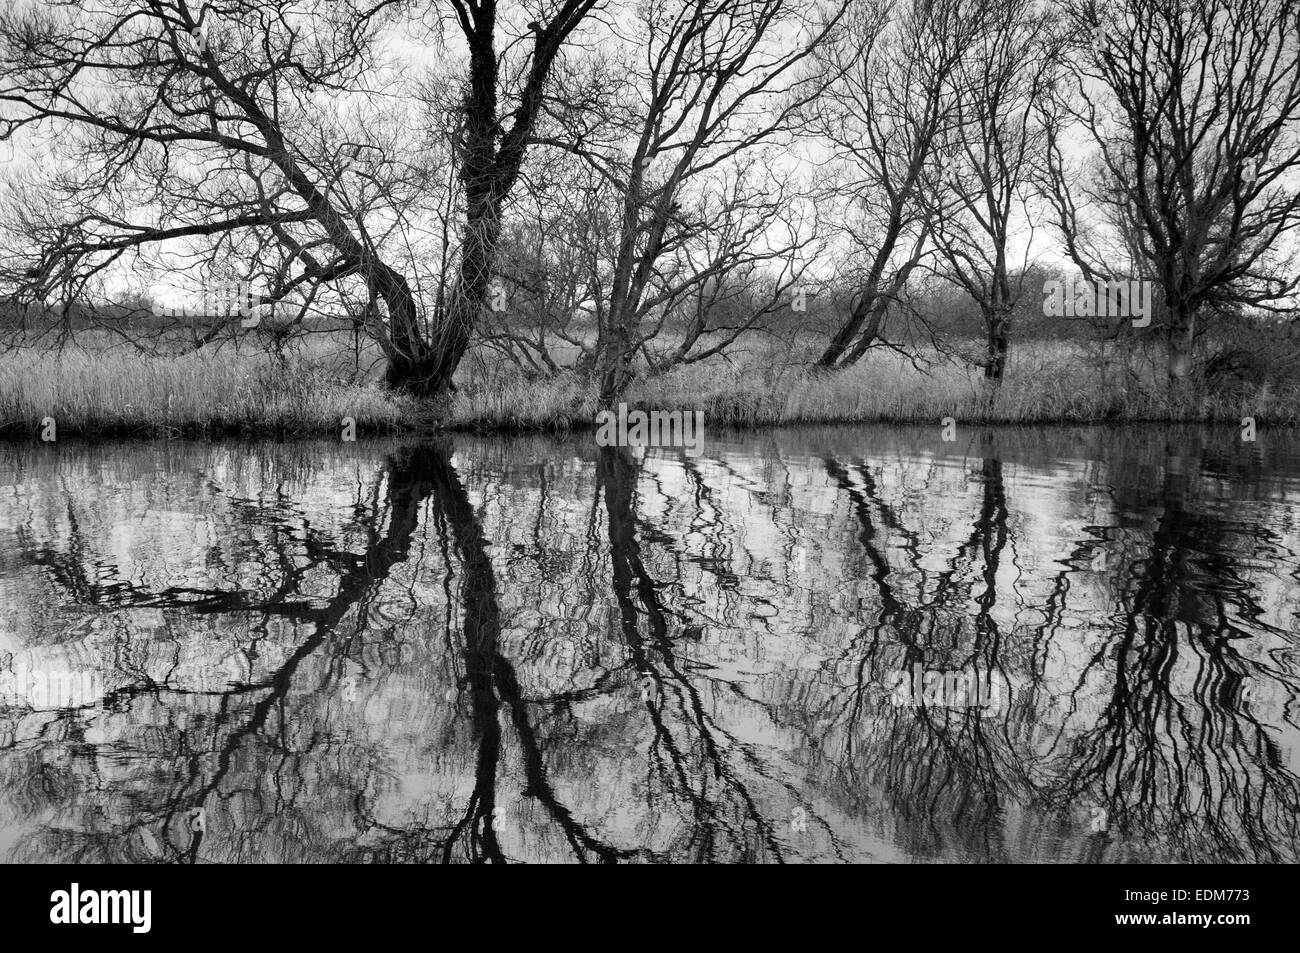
<point x="1175" y="763"/>
<point x="655" y="655"/>
<point x="713" y="754"/>
<point x="406" y="491"/>
<point x="490" y="675"/>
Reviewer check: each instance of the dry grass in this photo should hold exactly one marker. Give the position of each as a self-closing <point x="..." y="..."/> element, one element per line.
<point x="226" y="392"/>
<point x="116" y="391"/>
<point x="1051" y="383"/>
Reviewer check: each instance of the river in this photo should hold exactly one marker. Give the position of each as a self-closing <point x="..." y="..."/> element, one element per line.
<point x="864" y="644"/>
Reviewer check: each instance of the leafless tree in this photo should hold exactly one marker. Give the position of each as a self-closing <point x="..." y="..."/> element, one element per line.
<point x="490" y="156"/>
<point x="891" y="101"/>
<point x="250" y="98"/>
<point x="1194" y="108"/>
<point x="986" y="163"/>
<point x="176" y="122"/>
<point x="709" y="95"/>
<point x="553" y="268"/>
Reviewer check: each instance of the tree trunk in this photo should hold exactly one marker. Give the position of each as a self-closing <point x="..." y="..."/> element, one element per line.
<point x="870" y="334"/>
<point x="412" y="362"/>
<point x="1182" y="333"/>
<point x="999" y="344"/>
<point x="844" y="337"/>
<point x="614" y="363"/>
<point x="450" y="336"/>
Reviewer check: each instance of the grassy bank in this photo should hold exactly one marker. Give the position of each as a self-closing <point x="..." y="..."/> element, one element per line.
<point x="120" y="392"/>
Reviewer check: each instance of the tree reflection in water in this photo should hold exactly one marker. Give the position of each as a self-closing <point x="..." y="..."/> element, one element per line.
<point x="541" y="650"/>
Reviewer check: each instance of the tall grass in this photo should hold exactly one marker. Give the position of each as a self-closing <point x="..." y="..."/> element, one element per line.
<point x="227" y="392"/>
<point x="113" y="391"/>
<point x="1046" y="383"/>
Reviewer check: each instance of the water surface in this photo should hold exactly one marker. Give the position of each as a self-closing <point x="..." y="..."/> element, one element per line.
<point x="858" y="644"/>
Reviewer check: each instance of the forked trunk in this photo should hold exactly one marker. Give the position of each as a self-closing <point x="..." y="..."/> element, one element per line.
<point x="870" y="334"/>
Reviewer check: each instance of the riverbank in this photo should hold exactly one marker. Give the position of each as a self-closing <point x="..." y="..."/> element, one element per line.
<point x="228" y="392"/>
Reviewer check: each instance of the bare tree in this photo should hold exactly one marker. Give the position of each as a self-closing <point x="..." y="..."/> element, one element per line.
<point x="688" y="149"/>
<point x="1194" y="108"/>
<point x="553" y="268"/>
<point x="195" y="114"/>
<point x="241" y="94"/>
<point x="986" y="163"/>
<point x="490" y="156"/>
<point x="891" y="101"/>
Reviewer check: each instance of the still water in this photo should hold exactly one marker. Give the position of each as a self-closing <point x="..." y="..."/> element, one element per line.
<point x="829" y="644"/>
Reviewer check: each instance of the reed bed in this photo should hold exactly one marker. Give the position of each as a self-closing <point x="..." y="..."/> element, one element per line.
<point x="115" y="391"/>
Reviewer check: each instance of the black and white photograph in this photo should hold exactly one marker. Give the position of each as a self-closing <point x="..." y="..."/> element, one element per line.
<point x="657" y="432"/>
